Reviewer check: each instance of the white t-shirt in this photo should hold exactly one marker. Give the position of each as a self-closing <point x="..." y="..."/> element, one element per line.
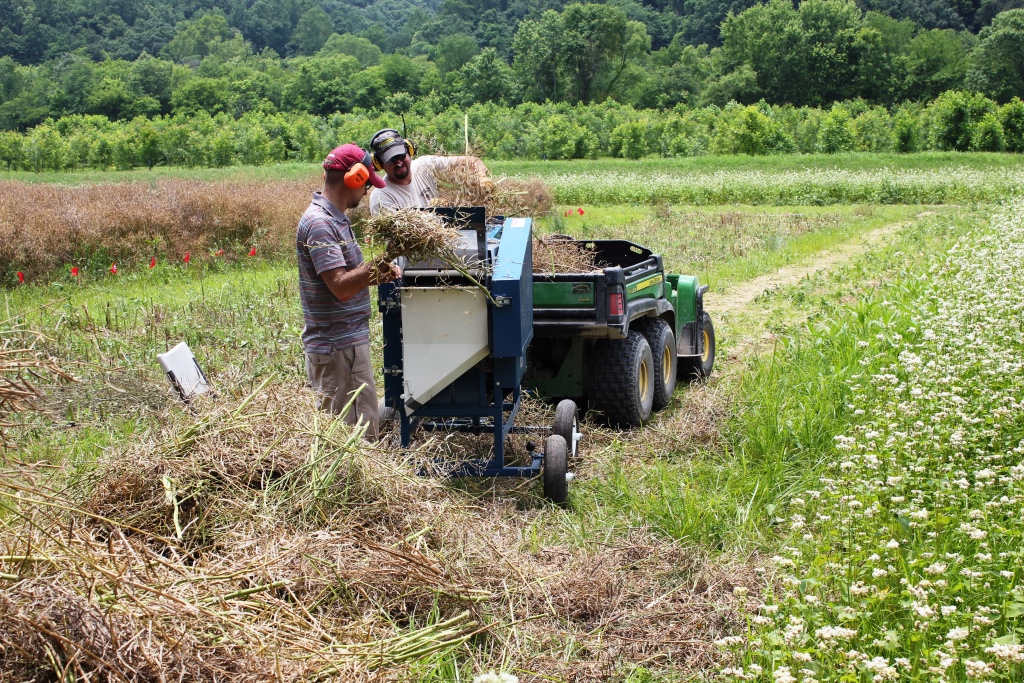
<point x="419" y="193"/>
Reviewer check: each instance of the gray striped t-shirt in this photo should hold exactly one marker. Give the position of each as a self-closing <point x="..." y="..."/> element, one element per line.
<point x="323" y="241"/>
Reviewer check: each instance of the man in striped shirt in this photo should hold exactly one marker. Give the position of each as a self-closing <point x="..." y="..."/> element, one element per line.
<point x="334" y="289"/>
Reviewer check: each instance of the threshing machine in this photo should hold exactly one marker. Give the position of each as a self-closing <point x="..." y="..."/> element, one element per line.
<point x="455" y="347"/>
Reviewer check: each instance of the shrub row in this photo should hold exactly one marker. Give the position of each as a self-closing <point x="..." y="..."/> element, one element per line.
<point x="954" y="121"/>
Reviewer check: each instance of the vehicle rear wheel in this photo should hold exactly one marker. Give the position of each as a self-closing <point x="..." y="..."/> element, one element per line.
<point x="663" y="350"/>
<point x="555" y="469"/>
<point x="622" y="379"/>
<point x="700" y="367"/>
<point x="567" y="425"/>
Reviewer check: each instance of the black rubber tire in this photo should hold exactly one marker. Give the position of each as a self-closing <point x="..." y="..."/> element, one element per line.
<point x="556" y="466"/>
<point x="386" y="415"/>
<point x="621" y="369"/>
<point x="700" y="367"/>
<point x="567" y="425"/>
<point x="663" y="350"/>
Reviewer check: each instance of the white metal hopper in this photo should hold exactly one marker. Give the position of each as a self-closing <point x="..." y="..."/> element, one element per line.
<point x="444" y="334"/>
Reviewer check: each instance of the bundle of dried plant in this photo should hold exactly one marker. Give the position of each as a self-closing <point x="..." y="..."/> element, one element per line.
<point x="461" y="185"/>
<point x="561" y="254"/>
<point x="412" y="233"/>
<point x="521" y="197"/>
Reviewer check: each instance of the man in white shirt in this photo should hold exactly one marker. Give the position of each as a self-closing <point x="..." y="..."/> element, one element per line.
<point x="411" y="180"/>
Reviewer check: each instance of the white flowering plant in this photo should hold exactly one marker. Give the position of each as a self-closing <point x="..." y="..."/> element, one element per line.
<point x="906" y="553"/>
<point x="791" y="187"/>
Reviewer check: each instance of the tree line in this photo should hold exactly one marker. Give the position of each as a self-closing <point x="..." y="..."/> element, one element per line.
<point x="34" y="31"/>
<point x="956" y="120"/>
<point x="811" y="53"/>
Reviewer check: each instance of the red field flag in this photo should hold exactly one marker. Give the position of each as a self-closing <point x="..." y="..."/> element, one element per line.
<point x="152" y="262"/>
<point x="188" y="257"/>
<point x="21" y="277"/>
<point x="74" y="271"/>
<point x="113" y="269"/>
<point x="252" y="252"/>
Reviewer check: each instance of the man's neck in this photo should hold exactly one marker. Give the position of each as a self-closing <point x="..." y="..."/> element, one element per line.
<point x="335" y="198"/>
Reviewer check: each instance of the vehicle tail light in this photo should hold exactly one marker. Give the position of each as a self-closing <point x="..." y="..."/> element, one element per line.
<point x="615" y="304"/>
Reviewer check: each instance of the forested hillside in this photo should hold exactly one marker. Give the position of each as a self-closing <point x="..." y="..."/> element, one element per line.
<point x="144" y="58"/>
<point x="33" y="31"/>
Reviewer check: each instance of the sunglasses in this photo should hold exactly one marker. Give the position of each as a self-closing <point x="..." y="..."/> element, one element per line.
<point x="395" y="159"/>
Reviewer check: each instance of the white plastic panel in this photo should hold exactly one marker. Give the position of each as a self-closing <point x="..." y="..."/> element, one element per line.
<point x="183" y="371"/>
<point x="444" y="333"/>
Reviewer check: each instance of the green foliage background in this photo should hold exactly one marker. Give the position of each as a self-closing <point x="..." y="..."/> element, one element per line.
<point x="212" y="83"/>
<point x="955" y="121"/>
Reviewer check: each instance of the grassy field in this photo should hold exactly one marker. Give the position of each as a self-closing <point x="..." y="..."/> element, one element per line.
<point x="839" y="503"/>
<point x="927" y="178"/>
<point x="706" y="165"/>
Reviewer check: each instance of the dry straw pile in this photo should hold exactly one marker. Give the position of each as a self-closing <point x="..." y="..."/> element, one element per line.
<point x="46" y="227"/>
<point x="260" y="540"/>
<point x="561" y="254"/>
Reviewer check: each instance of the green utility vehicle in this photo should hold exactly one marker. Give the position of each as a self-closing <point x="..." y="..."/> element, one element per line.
<point x="617" y="338"/>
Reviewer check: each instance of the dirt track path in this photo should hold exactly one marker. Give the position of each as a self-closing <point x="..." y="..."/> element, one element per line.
<point x="744" y="329"/>
<point x="741" y="295"/>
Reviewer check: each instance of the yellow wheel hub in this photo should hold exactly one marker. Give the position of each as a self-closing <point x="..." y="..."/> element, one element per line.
<point x="644" y="380"/>
<point x="707" y="347"/>
<point x="666" y="366"/>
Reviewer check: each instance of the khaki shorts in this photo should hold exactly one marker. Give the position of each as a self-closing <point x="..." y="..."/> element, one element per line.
<point x="335" y="376"/>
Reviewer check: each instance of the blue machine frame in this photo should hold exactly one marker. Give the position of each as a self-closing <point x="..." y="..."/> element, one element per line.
<point x="487" y="397"/>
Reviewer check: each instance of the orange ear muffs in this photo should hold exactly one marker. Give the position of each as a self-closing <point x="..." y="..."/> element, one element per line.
<point x="357" y="177"/>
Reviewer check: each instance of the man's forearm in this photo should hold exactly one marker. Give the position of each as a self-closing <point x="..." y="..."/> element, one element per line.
<point x="346" y="283"/>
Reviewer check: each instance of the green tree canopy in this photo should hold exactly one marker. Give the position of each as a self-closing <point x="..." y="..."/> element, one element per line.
<point x="362" y="49"/>
<point x="194" y="38"/>
<point x="998" y="61"/>
<point x="312" y="31"/>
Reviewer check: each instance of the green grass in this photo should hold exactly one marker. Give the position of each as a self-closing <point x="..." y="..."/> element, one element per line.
<point x="242" y="323"/>
<point x="897" y="508"/>
<point x="924" y="161"/>
<point x="786" y="403"/>
<point x="727" y="245"/>
<point x="287" y="171"/>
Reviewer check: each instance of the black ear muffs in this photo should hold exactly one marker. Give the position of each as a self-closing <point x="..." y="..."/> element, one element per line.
<point x="357" y="177"/>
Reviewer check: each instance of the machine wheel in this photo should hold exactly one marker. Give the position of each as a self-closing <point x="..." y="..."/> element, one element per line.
<point x="623" y="379"/>
<point x="556" y="467"/>
<point x="567" y="426"/>
<point x="663" y="350"/>
<point x="700" y="367"/>
<point x="386" y="415"/>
